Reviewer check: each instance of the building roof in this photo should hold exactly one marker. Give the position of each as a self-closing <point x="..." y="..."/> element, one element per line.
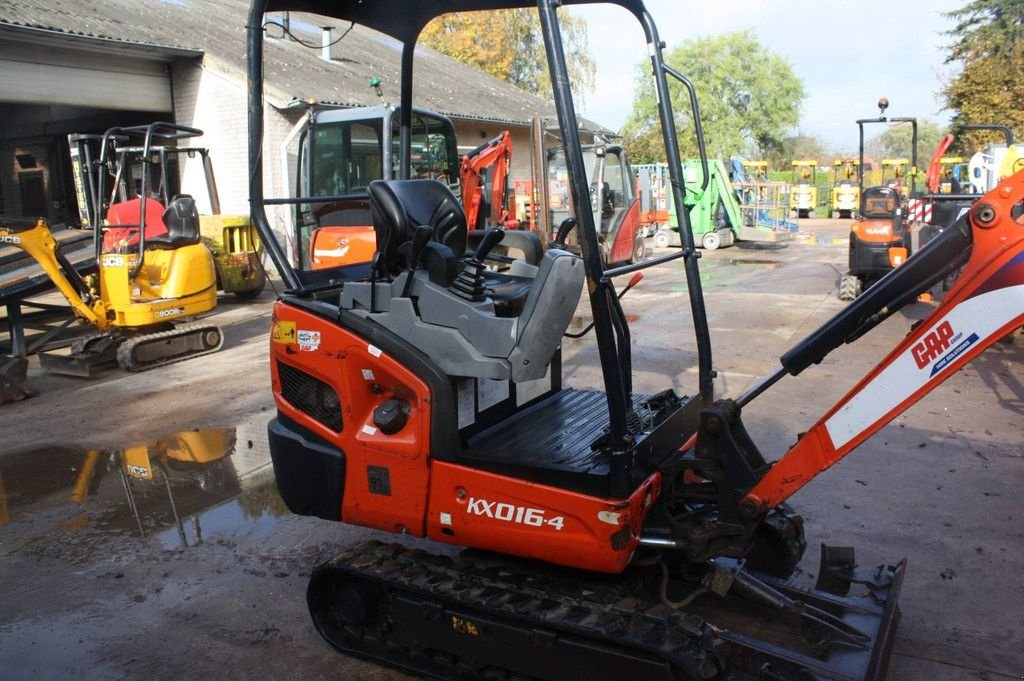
<point x="292" y="71"/>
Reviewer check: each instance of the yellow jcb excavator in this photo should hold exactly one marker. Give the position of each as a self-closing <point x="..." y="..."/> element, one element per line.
<point x="153" y="272"/>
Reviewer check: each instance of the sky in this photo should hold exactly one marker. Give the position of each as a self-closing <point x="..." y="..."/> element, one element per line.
<point x="848" y="54"/>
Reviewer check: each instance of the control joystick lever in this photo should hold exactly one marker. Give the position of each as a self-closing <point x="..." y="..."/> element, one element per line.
<point x="562" y="234"/>
<point x="469" y="284"/>
<point x="419" y="241"/>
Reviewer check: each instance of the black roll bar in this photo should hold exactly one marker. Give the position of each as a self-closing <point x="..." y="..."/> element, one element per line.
<point x="1007" y="132"/>
<point x="600" y="289"/>
<point x="258" y="216"/>
<point x="159" y="130"/>
<point x="690" y="255"/>
<point x="861" y="122"/>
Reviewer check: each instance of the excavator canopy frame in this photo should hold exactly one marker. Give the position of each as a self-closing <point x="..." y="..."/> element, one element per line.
<point x="403" y="21"/>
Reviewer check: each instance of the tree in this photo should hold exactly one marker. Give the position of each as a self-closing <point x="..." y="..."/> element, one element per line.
<point x="795" y="147"/>
<point x="895" y="141"/>
<point x="989" y="43"/>
<point x="749" y="99"/>
<point x="508" y="44"/>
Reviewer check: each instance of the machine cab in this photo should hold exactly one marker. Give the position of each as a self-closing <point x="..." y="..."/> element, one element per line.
<point x="340" y="152"/>
<point x="612" y="197"/>
<point x="880" y="203"/>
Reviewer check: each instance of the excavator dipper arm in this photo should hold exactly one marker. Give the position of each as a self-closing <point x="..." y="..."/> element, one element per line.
<point x="497" y="153"/>
<point x="35" y="238"/>
<point x="985" y="303"/>
<point x="935" y="166"/>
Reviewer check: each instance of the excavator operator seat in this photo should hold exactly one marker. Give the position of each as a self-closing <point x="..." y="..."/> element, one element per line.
<point x="399" y="207"/>
<point x="879" y="203"/>
<point x="182" y="219"/>
<point x="509" y="332"/>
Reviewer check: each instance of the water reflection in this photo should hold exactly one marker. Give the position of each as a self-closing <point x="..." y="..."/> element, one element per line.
<point x="178" y="488"/>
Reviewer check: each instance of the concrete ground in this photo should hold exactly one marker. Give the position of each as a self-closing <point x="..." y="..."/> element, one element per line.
<point x="122" y="558"/>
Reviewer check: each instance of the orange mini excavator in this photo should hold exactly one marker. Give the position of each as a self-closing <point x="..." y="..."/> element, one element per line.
<point x="484" y="173"/>
<point x="618" y="535"/>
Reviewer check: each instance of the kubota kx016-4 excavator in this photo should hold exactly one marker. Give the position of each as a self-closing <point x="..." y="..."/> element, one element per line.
<point x="421" y="394"/>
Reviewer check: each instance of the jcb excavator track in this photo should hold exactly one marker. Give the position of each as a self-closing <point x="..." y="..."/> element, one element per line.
<point x="144" y="352"/>
<point x="502" y="620"/>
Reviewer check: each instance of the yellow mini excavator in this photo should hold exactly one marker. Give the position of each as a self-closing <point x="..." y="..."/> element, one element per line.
<point x="153" y="272"/>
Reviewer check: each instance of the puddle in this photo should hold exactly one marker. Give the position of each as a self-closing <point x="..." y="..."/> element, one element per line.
<point x="182" y="488"/>
<point x="766" y="264"/>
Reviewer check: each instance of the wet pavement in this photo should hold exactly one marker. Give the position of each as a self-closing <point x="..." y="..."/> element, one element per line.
<point x="144" y="538"/>
<point x="182" y="488"/>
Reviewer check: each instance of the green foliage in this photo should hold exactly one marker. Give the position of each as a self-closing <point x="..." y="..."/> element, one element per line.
<point x="749" y="99"/>
<point x="799" y="147"/>
<point x="989" y="42"/>
<point x="508" y="44"/>
<point x="895" y="141"/>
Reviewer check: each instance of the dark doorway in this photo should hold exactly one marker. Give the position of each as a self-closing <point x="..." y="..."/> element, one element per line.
<point x="32" y="187"/>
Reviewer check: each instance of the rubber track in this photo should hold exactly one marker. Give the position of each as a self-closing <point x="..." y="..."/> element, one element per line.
<point x="126" y="349"/>
<point x="579" y="608"/>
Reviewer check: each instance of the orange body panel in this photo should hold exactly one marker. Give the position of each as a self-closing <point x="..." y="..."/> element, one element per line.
<point x="875" y="231"/>
<point x="437" y="498"/>
<point x="363" y="377"/>
<point x="483" y="510"/>
<point x="654" y="217"/>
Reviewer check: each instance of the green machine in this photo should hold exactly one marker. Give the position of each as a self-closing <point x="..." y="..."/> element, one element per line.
<point x="731" y="208"/>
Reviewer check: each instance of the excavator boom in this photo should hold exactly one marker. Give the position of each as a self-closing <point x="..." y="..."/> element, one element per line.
<point x="35" y="238"/>
<point x="985" y="303"/>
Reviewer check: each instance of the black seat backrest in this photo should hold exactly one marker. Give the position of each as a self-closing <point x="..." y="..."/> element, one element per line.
<point x="182" y="219"/>
<point x="879" y="203"/>
<point x="398" y="207"/>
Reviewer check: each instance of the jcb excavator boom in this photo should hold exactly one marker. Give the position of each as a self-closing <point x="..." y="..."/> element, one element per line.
<point x="34" y="237"/>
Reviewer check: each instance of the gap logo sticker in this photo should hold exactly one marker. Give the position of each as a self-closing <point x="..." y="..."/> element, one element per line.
<point x="309" y="341"/>
<point x="936" y="344"/>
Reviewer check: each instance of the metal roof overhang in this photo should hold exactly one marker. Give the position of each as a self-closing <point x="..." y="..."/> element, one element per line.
<point x="48" y="36"/>
<point x="404" y="19"/>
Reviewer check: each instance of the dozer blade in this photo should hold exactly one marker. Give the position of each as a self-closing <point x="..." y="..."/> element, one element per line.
<point x="13" y="372"/>
<point x="140" y="353"/>
<point x="86" y="358"/>
<point x="462" y="620"/>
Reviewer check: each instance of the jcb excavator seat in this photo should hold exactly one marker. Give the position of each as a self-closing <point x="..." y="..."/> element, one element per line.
<point x="182" y="220"/>
<point x="124" y="219"/>
<point x="511" y="334"/>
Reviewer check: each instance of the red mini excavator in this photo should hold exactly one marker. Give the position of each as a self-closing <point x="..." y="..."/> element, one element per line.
<point x="615" y="535"/>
